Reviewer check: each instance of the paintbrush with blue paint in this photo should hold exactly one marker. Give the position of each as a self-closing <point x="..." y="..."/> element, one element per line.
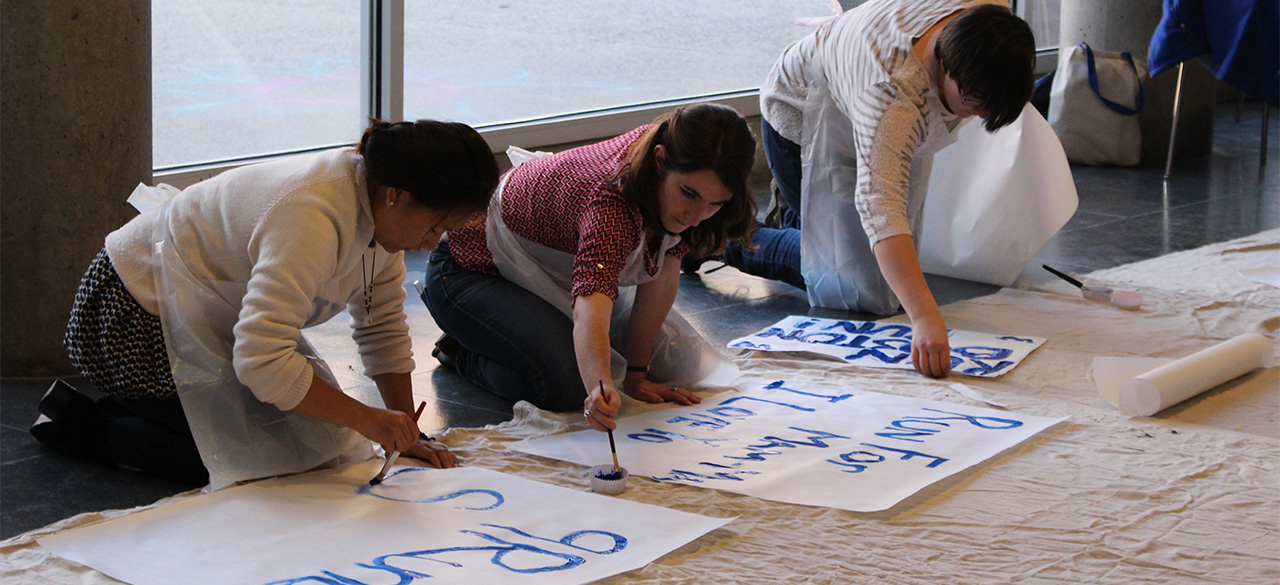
<point x="391" y="459"/>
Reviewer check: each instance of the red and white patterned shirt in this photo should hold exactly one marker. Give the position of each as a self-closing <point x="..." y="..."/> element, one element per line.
<point x="567" y="202"/>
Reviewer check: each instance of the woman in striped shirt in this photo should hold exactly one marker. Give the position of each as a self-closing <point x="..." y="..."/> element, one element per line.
<point x="868" y="96"/>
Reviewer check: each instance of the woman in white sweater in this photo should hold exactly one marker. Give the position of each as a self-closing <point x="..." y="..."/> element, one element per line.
<point x="190" y="318"/>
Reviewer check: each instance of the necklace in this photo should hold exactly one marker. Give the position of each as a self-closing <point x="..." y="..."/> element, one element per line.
<point x="368" y="285"/>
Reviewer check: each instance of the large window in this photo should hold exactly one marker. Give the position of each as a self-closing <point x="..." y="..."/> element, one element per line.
<point x="492" y="61"/>
<point x="234" y="79"/>
<point x="1042" y="15"/>
<point x="237" y="79"/>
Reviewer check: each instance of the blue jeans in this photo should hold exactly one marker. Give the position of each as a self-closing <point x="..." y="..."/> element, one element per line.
<point x="777" y="253"/>
<point x="514" y="344"/>
<point x="784" y="163"/>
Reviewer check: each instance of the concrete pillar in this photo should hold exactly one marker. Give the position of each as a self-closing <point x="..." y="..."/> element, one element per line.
<point x="1128" y="25"/>
<point x="75" y="83"/>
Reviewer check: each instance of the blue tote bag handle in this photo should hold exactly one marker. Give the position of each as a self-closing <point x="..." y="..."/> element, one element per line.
<point x="1093" y="83"/>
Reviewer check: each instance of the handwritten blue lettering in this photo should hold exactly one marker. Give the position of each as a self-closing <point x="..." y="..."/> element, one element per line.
<point x="535" y="558"/>
<point x="368" y="490"/>
<point x="691" y="477"/>
<point x="737" y="398"/>
<point x="652" y="435"/>
<point x="855" y="464"/>
<point x="996" y="423"/>
<point x="779" y="385"/>
<point x="982" y="368"/>
<point x="731" y="412"/>
<point x="911" y="431"/>
<point x="909" y="454"/>
<point x="697" y="419"/>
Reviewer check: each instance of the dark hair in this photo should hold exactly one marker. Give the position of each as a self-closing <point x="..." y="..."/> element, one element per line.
<point x="991" y="54"/>
<point x="443" y="165"/>
<point x="696" y="137"/>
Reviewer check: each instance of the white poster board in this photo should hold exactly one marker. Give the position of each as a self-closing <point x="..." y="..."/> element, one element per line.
<point x="803" y="444"/>
<point x="464" y="525"/>
<point x="888" y="345"/>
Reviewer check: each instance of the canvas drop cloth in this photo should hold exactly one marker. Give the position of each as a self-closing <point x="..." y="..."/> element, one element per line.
<point x="1191" y="495"/>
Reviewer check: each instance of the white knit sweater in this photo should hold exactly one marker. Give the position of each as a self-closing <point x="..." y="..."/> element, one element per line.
<point x="292" y="233"/>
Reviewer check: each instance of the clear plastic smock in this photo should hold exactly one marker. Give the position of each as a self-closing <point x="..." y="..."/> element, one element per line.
<point x="993" y="201"/>
<point x="836" y="258"/>
<point x="239" y="436"/>
<point x="681" y="356"/>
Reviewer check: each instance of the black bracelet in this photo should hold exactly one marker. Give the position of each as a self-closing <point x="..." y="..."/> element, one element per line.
<point x="631" y="368"/>
<point x="425" y="437"/>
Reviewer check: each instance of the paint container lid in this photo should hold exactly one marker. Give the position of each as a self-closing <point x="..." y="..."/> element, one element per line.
<point x="1096" y="293"/>
<point x="1128" y="301"/>
<point x="610" y="486"/>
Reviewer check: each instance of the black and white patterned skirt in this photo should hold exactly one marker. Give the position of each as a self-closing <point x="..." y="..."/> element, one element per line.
<point x="113" y="342"/>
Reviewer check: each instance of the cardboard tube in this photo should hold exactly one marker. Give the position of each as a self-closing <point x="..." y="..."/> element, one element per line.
<point x="1172" y="383"/>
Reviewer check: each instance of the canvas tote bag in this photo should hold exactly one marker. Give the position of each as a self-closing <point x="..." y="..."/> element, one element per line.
<point x="1093" y="106"/>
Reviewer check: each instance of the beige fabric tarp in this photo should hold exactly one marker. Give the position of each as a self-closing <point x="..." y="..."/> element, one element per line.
<point x="1190" y="495"/>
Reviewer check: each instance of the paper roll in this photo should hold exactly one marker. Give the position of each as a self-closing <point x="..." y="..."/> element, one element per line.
<point x="1172" y="383"/>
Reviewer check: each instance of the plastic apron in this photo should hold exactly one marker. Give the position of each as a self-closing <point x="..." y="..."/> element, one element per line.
<point x="681" y="356"/>
<point x="836" y="258"/>
<point x="239" y="436"/>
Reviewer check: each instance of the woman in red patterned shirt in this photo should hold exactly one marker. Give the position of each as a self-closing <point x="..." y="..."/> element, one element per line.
<point x="573" y="273"/>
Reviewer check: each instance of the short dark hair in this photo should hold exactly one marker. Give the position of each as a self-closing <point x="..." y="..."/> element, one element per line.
<point x="991" y="54"/>
<point x="443" y="165"/>
<point x="704" y="136"/>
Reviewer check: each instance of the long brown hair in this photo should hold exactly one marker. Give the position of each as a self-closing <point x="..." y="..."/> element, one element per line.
<point x="696" y="137"/>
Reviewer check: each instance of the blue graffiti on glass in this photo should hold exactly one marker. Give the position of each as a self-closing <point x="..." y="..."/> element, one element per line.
<point x="554" y="561"/>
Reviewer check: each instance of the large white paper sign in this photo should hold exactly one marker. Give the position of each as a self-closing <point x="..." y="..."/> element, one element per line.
<point x="465" y="525"/>
<point x="803" y="444"/>
<point x="886" y="345"/>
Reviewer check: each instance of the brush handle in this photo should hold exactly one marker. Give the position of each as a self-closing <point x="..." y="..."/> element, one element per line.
<point x="391" y="459"/>
<point x="614" y="449"/>
<point x="1077" y="283"/>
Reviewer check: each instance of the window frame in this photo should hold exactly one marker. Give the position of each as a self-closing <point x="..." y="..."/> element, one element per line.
<point x="382" y="96"/>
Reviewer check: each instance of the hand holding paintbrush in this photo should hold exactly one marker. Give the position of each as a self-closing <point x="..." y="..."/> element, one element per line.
<point x="391" y="459"/>
<point x="605" y="481"/>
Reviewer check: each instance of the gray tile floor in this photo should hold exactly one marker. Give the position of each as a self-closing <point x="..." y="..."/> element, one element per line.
<point x="1125" y="215"/>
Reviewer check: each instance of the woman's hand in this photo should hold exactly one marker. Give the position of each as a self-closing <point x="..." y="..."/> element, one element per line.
<point x="392" y="429"/>
<point x="433" y="452"/>
<point x="642" y="389"/>
<point x="601" y="406"/>
<point x="930" y="347"/>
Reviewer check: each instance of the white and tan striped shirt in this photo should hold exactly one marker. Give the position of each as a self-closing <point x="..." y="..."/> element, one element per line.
<point x="876" y="81"/>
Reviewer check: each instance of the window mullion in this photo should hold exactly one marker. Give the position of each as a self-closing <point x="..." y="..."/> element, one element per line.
<point x="382" y="70"/>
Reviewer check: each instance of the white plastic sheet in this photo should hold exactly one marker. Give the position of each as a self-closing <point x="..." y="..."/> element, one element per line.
<point x="994" y="199"/>
<point x="888" y="345"/>
<point x="810" y="444"/>
<point x="464" y="525"/>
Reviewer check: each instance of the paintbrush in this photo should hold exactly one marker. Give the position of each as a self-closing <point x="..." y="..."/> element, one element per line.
<point x="612" y="446"/>
<point x="391" y="459"/>
<point x="1078" y="284"/>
